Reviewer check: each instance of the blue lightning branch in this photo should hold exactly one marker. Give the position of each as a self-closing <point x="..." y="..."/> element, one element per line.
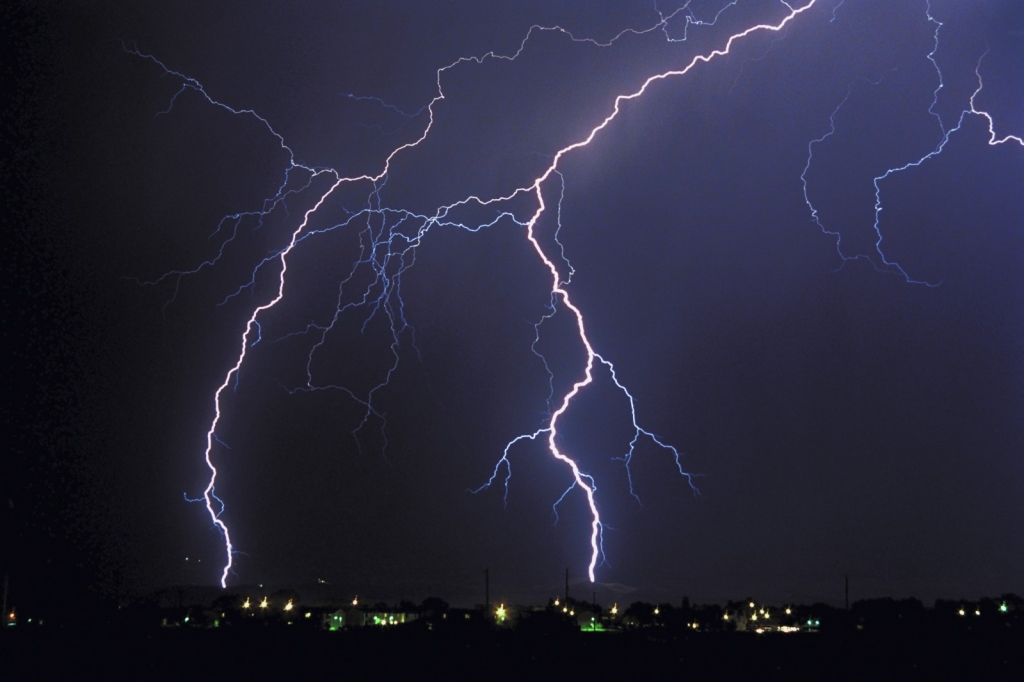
<point x="388" y="238"/>
<point x="879" y="260"/>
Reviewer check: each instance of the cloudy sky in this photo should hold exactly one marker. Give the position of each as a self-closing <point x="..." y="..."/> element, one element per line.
<point x="845" y="405"/>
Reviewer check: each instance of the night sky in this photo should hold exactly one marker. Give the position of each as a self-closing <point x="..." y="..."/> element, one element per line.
<point x="840" y="416"/>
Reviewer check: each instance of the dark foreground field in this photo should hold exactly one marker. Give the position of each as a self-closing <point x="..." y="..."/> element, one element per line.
<point x="227" y="655"/>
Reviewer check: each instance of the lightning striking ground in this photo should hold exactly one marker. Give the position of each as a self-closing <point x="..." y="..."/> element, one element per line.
<point x="389" y="237"/>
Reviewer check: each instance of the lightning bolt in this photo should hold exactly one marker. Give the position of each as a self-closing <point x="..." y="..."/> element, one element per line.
<point x="388" y="239"/>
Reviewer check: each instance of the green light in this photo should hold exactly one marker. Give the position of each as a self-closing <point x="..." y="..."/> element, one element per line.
<point x="1002" y="607"/>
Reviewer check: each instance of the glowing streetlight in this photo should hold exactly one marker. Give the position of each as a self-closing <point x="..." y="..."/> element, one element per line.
<point x="615" y="609"/>
<point x="263" y="604"/>
<point x="500" y="612"/>
<point x="289" y="606"/>
<point x="1002" y="608"/>
<point x="247" y="604"/>
<point x="656" y="610"/>
<point x="355" y="600"/>
<point x="751" y="604"/>
<point x="962" y="612"/>
<point x="556" y="601"/>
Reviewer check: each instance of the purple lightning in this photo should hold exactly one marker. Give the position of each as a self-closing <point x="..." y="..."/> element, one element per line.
<point x="389" y="236"/>
<point x="389" y="284"/>
<point x="560" y="293"/>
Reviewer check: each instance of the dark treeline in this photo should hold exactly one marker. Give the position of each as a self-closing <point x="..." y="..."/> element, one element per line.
<point x="208" y="635"/>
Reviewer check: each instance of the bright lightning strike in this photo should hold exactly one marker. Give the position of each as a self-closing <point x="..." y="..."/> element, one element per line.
<point x="389" y="237"/>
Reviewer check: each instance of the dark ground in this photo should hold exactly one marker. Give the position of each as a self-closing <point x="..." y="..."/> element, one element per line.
<point x="201" y="655"/>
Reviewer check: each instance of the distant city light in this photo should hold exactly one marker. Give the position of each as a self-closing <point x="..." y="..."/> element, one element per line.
<point x="289" y="606"/>
<point x="263" y="604"/>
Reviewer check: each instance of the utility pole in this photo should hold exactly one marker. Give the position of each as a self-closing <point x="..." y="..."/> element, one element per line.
<point x="487" y="589"/>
